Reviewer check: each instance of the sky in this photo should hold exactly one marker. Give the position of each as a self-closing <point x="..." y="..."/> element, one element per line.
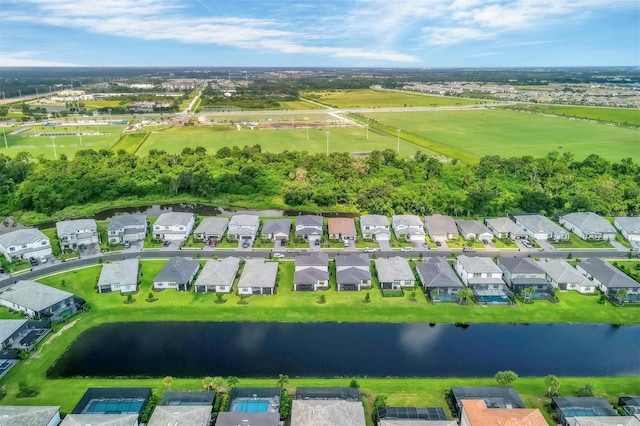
<point x="320" y="33"/>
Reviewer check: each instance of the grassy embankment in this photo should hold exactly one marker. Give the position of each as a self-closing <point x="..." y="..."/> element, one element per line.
<point x="626" y="116"/>
<point x="287" y="306"/>
<point x="130" y="142"/>
<point x="376" y="98"/>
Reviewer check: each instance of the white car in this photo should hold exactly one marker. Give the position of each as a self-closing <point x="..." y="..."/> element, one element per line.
<point x="407" y="249"/>
<point x="278" y="255"/>
<point x="43" y="259"/>
<point x="526" y="243"/>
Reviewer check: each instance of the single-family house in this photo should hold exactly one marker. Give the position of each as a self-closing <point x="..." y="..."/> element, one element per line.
<point x="119" y="276"/>
<point x="111" y="419"/>
<point x="178" y="415"/>
<point x="484" y="278"/>
<point x="110" y="400"/>
<point x="522" y="273"/>
<point x="565" y="277"/>
<point x="629" y="227"/>
<point x="309" y="227"/>
<point x="177" y="273"/>
<point x="413" y="416"/>
<point x="353" y="271"/>
<point x="342" y="228"/>
<point x="127" y="227"/>
<point x="173" y="226"/>
<point x="247" y="419"/>
<point x="439" y="282"/>
<point x="604" y="421"/>
<point x="503" y="227"/>
<point x="474" y="230"/>
<point x="375" y="227"/>
<point x="22" y="334"/>
<point x="258" y="277"/>
<point x="276" y="229"/>
<point x="610" y="280"/>
<point x="211" y="228"/>
<point x="568" y="407"/>
<point x="182" y="398"/>
<point x="476" y="413"/>
<point x="29" y="415"/>
<point x="493" y="397"/>
<point x="243" y="227"/>
<point x="24" y="243"/>
<point x="327" y="412"/>
<point x="440" y="227"/>
<point x="38" y="300"/>
<point x="311" y="271"/>
<point x="589" y="226"/>
<point x="408" y="227"/>
<point x="217" y="276"/>
<point x="541" y="227"/>
<point x="73" y="234"/>
<point x="394" y="273"/>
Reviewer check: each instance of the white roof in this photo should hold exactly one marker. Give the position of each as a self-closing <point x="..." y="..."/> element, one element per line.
<point x="191" y="415"/>
<point x="212" y="225"/>
<point x="318" y="412"/>
<point x="244" y="220"/>
<point x="393" y="268"/>
<point x="589" y="222"/>
<point x="21" y="236"/>
<point x="33" y="295"/>
<point x="540" y="224"/>
<point x="631" y="225"/>
<point x="561" y="272"/>
<point x="100" y="420"/>
<point x="218" y="272"/>
<point x="28" y="415"/>
<point x="121" y="273"/>
<point x="68" y="227"/>
<point x="478" y="264"/>
<point x="374" y="220"/>
<point x="504" y="225"/>
<point x="258" y="273"/>
<point x="174" y="218"/>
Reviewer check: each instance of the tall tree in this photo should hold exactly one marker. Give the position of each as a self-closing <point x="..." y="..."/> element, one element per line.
<point x="553" y="385"/>
<point x="505" y="378"/>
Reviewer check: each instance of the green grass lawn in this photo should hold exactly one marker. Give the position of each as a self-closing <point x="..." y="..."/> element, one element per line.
<point x="369" y="98"/>
<point x="577" y="242"/>
<point x="479" y="132"/>
<point x="347" y="139"/>
<point x="130" y="142"/>
<point x="616" y="115"/>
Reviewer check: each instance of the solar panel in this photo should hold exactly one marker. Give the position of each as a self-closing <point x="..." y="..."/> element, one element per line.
<point x="421" y="413"/>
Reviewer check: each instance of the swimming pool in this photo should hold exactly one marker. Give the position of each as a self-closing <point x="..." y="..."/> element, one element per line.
<point x="113" y="406"/>
<point x="250" y="405"/>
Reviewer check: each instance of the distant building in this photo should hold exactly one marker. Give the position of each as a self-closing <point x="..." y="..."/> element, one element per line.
<point x="24" y="243"/>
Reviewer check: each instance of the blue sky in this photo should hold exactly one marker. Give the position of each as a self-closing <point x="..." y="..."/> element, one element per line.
<point x="320" y="33"/>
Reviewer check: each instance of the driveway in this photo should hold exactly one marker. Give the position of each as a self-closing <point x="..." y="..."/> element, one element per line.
<point x="616" y="245"/>
<point x="545" y="245"/>
<point x="384" y="245"/>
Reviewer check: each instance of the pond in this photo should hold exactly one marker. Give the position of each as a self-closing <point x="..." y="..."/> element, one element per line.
<point x="190" y="349"/>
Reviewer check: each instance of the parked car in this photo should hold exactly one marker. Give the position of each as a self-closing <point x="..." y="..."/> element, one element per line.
<point x="245" y="243"/>
<point x="485" y="242"/>
<point x="278" y="255"/>
<point x="127" y="244"/>
<point x="33" y="261"/>
<point x="1" y="270"/>
<point x="283" y="243"/>
<point x="425" y="245"/>
<point x="42" y="259"/>
<point x="407" y="249"/>
<point x="526" y="243"/>
<point x="368" y="250"/>
<point x="346" y="243"/>
<point x="166" y="243"/>
<point x="317" y="242"/>
<point x="468" y="250"/>
<point x="438" y="243"/>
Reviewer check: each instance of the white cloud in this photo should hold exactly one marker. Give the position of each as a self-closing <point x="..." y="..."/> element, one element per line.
<point x="30" y="59"/>
<point x="439" y="36"/>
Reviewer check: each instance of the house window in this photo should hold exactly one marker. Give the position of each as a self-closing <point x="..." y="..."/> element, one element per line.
<point x="24" y="246"/>
<point x="477" y="274"/>
<point x="44" y="243"/>
<point x="12" y="249"/>
<point x="181" y="228"/>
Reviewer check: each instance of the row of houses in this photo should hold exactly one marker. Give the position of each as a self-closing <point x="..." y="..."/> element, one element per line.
<point x="175" y="226"/>
<point x="313" y="406"/>
<point x="491" y="282"/>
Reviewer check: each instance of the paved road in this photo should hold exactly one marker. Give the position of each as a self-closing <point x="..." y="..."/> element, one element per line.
<point x="51" y="268"/>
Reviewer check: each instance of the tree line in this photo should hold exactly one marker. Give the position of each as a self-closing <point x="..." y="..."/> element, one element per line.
<point x="381" y="183"/>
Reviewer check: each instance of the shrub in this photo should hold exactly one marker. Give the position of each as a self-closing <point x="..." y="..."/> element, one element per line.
<point x="26" y="390"/>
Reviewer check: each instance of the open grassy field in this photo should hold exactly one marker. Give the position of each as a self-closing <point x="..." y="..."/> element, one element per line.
<point x="299" y="105"/>
<point x="616" y="115"/>
<point x="370" y="98"/>
<point x="130" y="142"/>
<point x="341" y="139"/>
<point x="510" y="133"/>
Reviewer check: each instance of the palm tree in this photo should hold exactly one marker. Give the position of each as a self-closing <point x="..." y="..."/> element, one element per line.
<point x="218" y="384"/>
<point x="168" y="381"/>
<point x="232" y="382"/>
<point x="283" y="379"/>
<point x="553" y="385"/>
<point x="207" y="382"/>
<point x="621" y="294"/>
<point x="464" y="295"/>
<point x="527" y="293"/>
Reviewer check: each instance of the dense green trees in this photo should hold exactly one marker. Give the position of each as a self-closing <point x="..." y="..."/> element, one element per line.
<point x="381" y="183"/>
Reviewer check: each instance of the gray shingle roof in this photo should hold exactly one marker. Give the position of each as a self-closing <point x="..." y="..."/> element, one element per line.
<point x="393" y="268"/>
<point x="562" y="272"/>
<point x="352" y="259"/>
<point x="374" y="220"/>
<point x="181" y="415"/>
<point x="607" y="274"/>
<point x="129" y="219"/>
<point x="121" y="273"/>
<point x="504" y="225"/>
<point x="33" y="295"/>
<point x="309" y="220"/>
<point x="8" y="327"/>
<point x="317" y="258"/>
<point x="276" y="226"/>
<point x="310" y="276"/>
<point x="21" y="236"/>
<point x="472" y="227"/>
<point x="244" y="220"/>
<point x="353" y="276"/>
<point x="100" y="420"/>
<point x="27" y="415"/>
<point x="631" y="225"/>
<point x="177" y="270"/>
<point x="540" y="224"/>
<point x="438" y="224"/>
<point x="436" y="272"/>
<point x="212" y="226"/>
<point x="68" y="227"/>
<point x="247" y="419"/>
<point x="520" y="265"/>
<point x="406" y="220"/>
<point x="258" y="273"/>
<point x="174" y="218"/>
<point x="327" y="412"/>
<point x="218" y="272"/>
<point x="589" y="222"/>
<point x="478" y="264"/>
